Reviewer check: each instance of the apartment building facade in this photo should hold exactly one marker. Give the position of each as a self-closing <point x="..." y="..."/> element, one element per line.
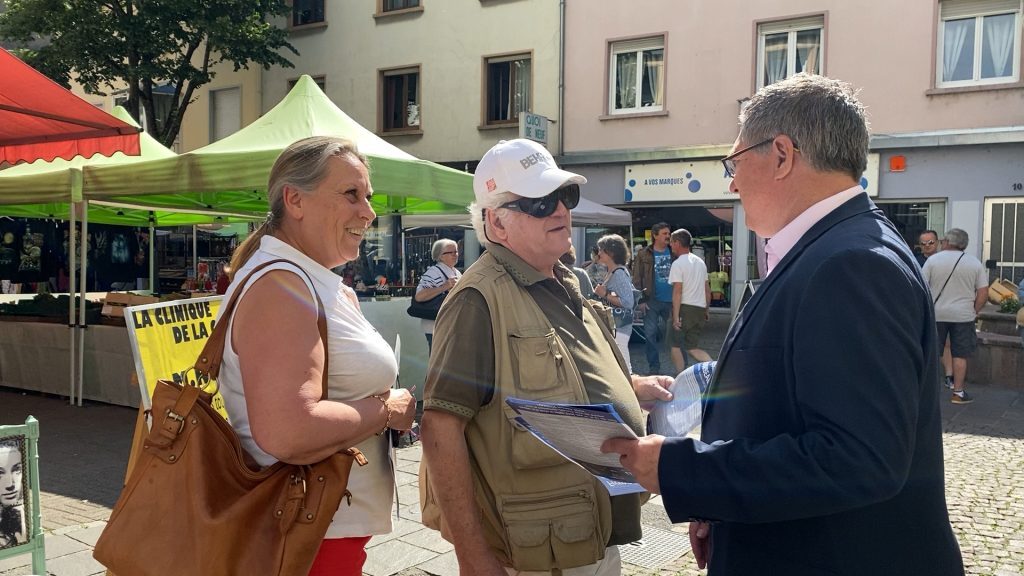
<point x="655" y="92"/>
<point x="442" y="79"/>
<point x="231" y="100"/>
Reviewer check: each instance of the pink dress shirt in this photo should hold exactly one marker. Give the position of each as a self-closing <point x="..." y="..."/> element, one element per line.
<point x="776" y="248"/>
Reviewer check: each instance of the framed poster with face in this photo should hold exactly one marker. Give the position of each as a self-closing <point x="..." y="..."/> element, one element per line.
<point x="14" y="522"/>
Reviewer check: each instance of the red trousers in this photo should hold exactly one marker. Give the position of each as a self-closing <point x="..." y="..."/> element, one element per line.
<point x="340" y="557"/>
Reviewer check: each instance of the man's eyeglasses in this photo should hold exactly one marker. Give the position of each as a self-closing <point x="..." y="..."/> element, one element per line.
<point x="928" y="243"/>
<point x="450" y="252"/>
<point x="546" y="206"/>
<point x="730" y="161"/>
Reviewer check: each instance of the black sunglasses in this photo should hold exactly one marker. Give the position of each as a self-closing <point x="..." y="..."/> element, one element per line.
<point x="546" y="206"/>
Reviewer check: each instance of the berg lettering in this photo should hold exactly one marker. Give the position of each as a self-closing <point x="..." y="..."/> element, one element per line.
<point x="532" y="159"/>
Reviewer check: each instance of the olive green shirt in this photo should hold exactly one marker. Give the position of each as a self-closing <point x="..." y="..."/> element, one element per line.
<point x="460" y="377"/>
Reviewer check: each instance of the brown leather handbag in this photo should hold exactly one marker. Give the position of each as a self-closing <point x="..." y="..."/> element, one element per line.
<point x="197" y="504"/>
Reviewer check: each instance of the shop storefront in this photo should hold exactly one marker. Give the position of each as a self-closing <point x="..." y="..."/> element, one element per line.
<point x="971" y="180"/>
<point x="692" y="194"/>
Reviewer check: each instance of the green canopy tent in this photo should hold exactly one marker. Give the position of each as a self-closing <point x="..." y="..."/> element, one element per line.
<point x="230" y="175"/>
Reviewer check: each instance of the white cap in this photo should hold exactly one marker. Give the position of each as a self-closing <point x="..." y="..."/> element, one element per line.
<point x="522" y="167"/>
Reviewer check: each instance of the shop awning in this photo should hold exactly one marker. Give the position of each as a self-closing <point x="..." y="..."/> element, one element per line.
<point x="39" y="119"/>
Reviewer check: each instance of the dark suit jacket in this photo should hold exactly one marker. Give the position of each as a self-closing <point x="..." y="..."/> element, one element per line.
<point x="821" y="447"/>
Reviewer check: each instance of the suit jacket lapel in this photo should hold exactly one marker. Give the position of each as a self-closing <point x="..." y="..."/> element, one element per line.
<point x="856" y="205"/>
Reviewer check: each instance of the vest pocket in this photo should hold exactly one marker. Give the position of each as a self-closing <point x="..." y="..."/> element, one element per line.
<point x="556" y="528"/>
<point x="539" y="369"/>
<point x="527" y="451"/>
<point x="537" y="361"/>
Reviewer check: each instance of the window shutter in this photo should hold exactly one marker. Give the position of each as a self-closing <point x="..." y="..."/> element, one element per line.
<point x="639" y="44"/>
<point x="953" y="9"/>
<point x="790" y="25"/>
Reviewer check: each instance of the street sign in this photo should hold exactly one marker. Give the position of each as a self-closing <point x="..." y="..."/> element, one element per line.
<point x="533" y="127"/>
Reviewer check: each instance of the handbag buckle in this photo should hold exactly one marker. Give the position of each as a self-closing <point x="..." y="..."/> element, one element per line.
<point x="169" y="415"/>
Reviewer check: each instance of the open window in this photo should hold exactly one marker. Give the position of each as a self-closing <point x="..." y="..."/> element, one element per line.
<point x="508" y="84"/>
<point x="636" y="78"/>
<point x="400" y="106"/>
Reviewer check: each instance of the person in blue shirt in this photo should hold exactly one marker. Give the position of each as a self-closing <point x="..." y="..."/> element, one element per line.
<point x="650" y="276"/>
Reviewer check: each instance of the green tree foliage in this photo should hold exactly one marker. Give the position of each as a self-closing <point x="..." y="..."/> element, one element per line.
<point x="145" y="44"/>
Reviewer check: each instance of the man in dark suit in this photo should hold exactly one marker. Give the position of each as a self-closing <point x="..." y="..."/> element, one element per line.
<point x="821" y="445"/>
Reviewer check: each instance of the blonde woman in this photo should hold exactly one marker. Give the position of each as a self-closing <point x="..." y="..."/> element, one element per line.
<point x="319" y="195"/>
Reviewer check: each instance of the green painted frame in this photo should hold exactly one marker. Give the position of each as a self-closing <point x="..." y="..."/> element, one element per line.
<point x="35" y="545"/>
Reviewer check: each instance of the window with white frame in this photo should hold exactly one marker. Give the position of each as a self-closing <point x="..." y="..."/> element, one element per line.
<point x="788" y="48"/>
<point x="636" y="79"/>
<point x="400" y="109"/>
<point x="508" y="88"/>
<point x="978" y="42"/>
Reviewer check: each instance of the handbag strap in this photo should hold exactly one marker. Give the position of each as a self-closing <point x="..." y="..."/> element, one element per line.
<point x="441" y="270"/>
<point x="947" y="279"/>
<point x="210" y="358"/>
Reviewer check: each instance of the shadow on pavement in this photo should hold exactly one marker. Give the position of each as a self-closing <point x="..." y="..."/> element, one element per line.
<point x="83" y="451"/>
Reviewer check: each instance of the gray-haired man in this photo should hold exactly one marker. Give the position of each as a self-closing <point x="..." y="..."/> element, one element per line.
<point x="959" y="286"/>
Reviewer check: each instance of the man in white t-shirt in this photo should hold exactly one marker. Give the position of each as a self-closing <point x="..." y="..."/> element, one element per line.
<point x="959" y="286"/>
<point x="691" y="298"/>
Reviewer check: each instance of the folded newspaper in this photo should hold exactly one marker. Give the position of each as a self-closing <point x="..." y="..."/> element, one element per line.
<point x="681" y="415"/>
<point x="576" y="431"/>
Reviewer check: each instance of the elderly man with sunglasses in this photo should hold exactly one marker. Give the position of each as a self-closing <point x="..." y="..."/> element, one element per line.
<point x="821" y="437"/>
<point x="516" y="325"/>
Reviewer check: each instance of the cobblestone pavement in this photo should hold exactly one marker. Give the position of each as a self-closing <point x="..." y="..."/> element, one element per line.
<point x="83" y="452"/>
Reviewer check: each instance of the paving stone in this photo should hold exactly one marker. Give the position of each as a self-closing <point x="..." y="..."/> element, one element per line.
<point x="394" y="556"/>
<point x="78" y="564"/>
<point x="443" y="565"/>
<point x="429" y="539"/>
<point x="984" y="456"/>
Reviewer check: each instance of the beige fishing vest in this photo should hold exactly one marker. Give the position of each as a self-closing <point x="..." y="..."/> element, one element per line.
<point x="538" y="511"/>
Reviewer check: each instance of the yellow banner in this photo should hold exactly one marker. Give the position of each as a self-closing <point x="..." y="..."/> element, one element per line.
<point x="167" y="338"/>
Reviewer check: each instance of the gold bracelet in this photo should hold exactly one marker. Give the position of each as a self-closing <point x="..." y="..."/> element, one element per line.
<point x="387" y="423"/>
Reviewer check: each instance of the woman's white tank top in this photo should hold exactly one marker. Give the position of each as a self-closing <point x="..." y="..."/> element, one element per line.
<point x="361" y="364"/>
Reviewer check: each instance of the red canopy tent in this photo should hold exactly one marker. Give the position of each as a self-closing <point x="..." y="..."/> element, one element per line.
<point x="39" y="119"/>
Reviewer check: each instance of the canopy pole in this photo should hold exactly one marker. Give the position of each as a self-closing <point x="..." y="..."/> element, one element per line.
<point x="72" y="325"/>
<point x="152" y="252"/>
<point x="83" y="287"/>
<point x="404" y="255"/>
<point x="195" y="254"/>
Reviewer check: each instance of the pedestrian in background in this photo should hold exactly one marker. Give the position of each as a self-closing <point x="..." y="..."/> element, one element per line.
<point x="274" y="358"/>
<point x="617" y="290"/>
<point x="586" y="286"/>
<point x="928" y="245"/>
<point x="650" y="277"/>
<point x="437" y="279"/>
<point x="691" y="300"/>
<point x="821" y="439"/>
<point x="959" y="286"/>
<point x="597" y="271"/>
